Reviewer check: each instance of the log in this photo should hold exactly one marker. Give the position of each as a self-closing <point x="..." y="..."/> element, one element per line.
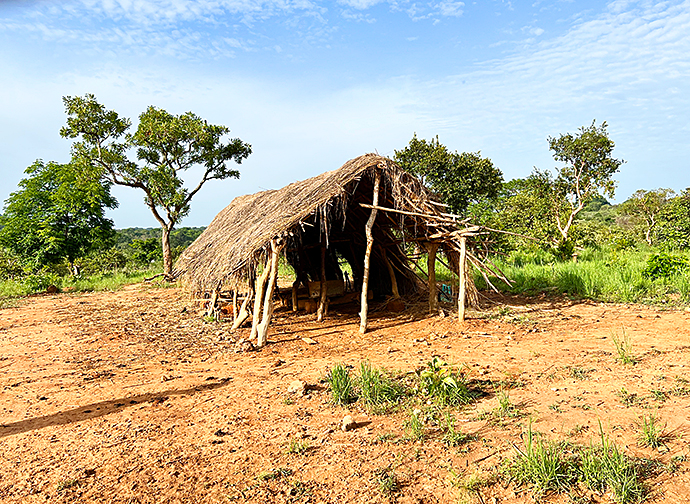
<point x="462" y="276"/>
<point x="431" y="268"/>
<point x="367" y="256"/>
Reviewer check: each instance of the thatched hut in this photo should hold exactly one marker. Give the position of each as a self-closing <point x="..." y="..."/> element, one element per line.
<point x="363" y="213"/>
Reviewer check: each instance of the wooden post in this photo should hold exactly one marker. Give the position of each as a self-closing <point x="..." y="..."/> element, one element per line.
<point x="324" y="286"/>
<point x="244" y="312"/>
<point x="431" y="267"/>
<point x="295" y="286"/>
<point x="367" y="256"/>
<point x="211" y="308"/>
<point x="258" y="298"/>
<point x="234" y="304"/>
<point x="462" y="286"/>
<point x="262" y="330"/>
<point x="391" y="273"/>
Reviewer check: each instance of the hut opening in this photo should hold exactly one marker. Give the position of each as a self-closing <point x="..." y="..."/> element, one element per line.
<point x="361" y="216"/>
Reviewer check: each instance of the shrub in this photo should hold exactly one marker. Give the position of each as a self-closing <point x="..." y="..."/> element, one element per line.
<point x="444" y="384"/>
<point x="663" y="265"/>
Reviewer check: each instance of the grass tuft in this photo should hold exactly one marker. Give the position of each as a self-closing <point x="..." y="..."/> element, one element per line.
<point x="341" y="385"/>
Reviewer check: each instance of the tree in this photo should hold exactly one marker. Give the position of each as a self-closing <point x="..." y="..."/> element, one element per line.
<point x="57" y="214"/>
<point x="459" y="179"/>
<point x="672" y="231"/>
<point x="165" y="145"/>
<point x="646" y="207"/>
<point x="588" y="171"/>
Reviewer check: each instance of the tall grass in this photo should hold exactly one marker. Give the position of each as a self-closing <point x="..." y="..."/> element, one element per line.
<point x="602" y="274"/>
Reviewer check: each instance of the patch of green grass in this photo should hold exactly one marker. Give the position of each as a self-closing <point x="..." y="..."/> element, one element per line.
<point x="651" y="434"/>
<point x="452" y="436"/>
<point x="386" y="480"/>
<point x="606" y="467"/>
<point x="67" y="484"/>
<point x="658" y="395"/>
<point x="624" y="349"/>
<point x="579" y="373"/>
<point x="341" y="385"/>
<point x="681" y="387"/>
<point x="298" y="447"/>
<point x="377" y="390"/>
<point x="629" y="399"/>
<point x="542" y="464"/>
<point x="273" y="474"/>
<point x="415" y="426"/>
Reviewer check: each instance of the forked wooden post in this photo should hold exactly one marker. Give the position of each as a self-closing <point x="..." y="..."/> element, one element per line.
<point x="367" y="256"/>
<point x="258" y="297"/>
<point x="431" y="267"/>
<point x="462" y="285"/>
<point x="244" y="312"/>
<point x="262" y="330"/>
<point x="323" y="288"/>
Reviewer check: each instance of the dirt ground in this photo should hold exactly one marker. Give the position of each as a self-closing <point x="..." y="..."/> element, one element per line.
<point x="131" y="396"/>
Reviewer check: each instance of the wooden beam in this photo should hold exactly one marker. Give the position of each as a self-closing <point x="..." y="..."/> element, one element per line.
<point x="413" y="214"/>
<point x="367" y="256"/>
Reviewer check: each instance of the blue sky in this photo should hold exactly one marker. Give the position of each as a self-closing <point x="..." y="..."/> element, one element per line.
<point x="311" y="84"/>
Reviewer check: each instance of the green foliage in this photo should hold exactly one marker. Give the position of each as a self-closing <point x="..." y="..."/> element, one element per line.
<point x="644" y="207"/>
<point x="651" y="434"/>
<point x="57" y="213"/>
<point x="663" y="265"/>
<point x="166" y="146"/>
<point x="341" y="385"/>
<point x="10" y="265"/>
<point x="672" y="230"/>
<point x="444" y="384"/>
<point x="458" y="178"/>
<point x="415" y="426"/>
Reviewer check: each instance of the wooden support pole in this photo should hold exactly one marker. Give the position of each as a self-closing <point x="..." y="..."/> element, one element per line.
<point x="295" y="286"/>
<point x="367" y="256"/>
<point x="431" y="268"/>
<point x="234" y="304"/>
<point x="211" y="308"/>
<point x="323" y="290"/>
<point x="462" y="272"/>
<point x="258" y="298"/>
<point x="391" y="273"/>
<point x="262" y="330"/>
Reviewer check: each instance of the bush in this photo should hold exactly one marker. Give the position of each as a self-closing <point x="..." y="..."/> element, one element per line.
<point x="663" y="265"/>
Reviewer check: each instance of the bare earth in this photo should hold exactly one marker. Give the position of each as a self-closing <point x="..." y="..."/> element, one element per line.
<point x="131" y="397"/>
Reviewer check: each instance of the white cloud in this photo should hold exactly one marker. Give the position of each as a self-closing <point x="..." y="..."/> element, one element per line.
<point x="450" y="8"/>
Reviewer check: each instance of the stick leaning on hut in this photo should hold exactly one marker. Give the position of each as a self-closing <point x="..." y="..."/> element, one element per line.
<point x="315" y="224"/>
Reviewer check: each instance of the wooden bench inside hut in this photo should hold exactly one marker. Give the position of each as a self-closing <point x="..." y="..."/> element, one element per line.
<point x="344" y="233"/>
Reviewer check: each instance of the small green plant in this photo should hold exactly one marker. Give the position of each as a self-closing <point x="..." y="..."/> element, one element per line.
<point x="651" y="434"/>
<point x="415" y="428"/>
<point x="659" y="395"/>
<point x="627" y="398"/>
<point x="298" y="447"/>
<point x="444" y="384"/>
<point x="377" y="390"/>
<point x="680" y="387"/>
<point x="452" y="436"/>
<point x="624" y="349"/>
<point x="66" y="484"/>
<point x="663" y="265"/>
<point x="384" y="438"/>
<point x="387" y="480"/>
<point x="273" y="474"/>
<point x="472" y="484"/>
<point x="579" y="373"/>
<point x="341" y="385"/>
<point x="542" y="464"/>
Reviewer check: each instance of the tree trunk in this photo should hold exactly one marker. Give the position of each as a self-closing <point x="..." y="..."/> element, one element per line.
<point x="244" y="312"/>
<point x="167" y="255"/>
<point x="367" y="257"/>
<point x="431" y="268"/>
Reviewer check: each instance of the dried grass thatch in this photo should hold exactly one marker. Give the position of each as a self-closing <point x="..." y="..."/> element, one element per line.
<point x="329" y="208"/>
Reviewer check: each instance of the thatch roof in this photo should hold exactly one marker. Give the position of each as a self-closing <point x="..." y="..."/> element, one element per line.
<point x="326" y="207"/>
